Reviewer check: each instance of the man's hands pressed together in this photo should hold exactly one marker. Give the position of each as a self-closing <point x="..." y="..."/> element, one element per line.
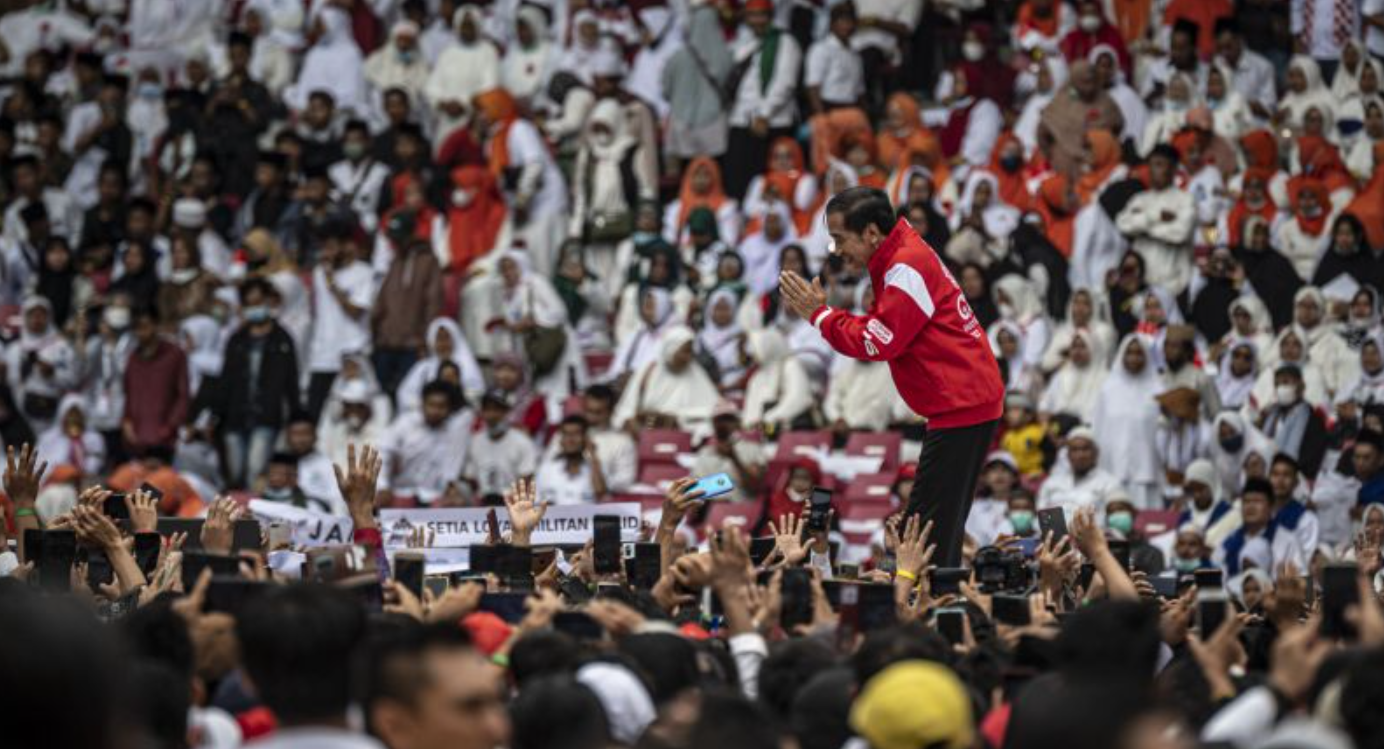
<point x="802" y="297"/>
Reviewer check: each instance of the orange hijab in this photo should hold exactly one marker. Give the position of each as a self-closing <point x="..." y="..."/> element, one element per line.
<point x="1013" y="187"/>
<point x="1320" y="159"/>
<point x="1297" y="187"/>
<point x="473" y="228"/>
<point x="1049" y="26"/>
<point x="1261" y="150"/>
<point x="1240" y="212"/>
<point x="785" y="183"/>
<point x="688" y="199"/>
<point x="1060" y="223"/>
<point x="501" y="110"/>
<point x="892" y="146"/>
<point x="1368" y="206"/>
<point x="1105" y="157"/>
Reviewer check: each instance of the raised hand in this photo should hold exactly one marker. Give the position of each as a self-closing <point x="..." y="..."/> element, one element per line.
<point x="788" y="539"/>
<point x="357" y="482"/>
<point x="730" y="561"/>
<point x="217" y="530"/>
<point x="144" y="512"/>
<point x="678" y="500"/>
<point x="1087" y="533"/>
<point x="914" y="552"/>
<point x="22" y="479"/>
<point x="525" y="511"/>
<point x="95" y="529"/>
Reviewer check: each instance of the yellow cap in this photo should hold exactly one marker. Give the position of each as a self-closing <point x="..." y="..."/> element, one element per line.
<point x="914" y="704"/>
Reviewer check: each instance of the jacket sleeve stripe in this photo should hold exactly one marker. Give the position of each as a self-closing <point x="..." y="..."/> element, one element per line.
<point x="907" y="279"/>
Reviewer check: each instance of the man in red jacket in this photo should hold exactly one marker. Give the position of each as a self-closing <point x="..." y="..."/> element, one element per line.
<point x="937" y="352"/>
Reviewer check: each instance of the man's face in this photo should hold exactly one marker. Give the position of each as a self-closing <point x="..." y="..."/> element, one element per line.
<point x="36" y="320"/>
<point x="493" y="415"/>
<point x="1366" y="460"/>
<point x="396" y="108"/>
<point x="1183" y="50"/>
<point x="858" y="247"/>
<point x="461" y="707"/>
<point x="146" y="332"/>
<point x="1283" y="478"/>
<point x="436" y="409"/>
<point x="1189" y="546"/>
<point x="572" y="440"/>
<point x="597" y="411"/>
<point x="758" y="21"/>
<point x="281" y="476"/>
<point x="1254" y="508"/>
<point x="1160" y="172"/>
<point x="1175" y="352"/>
<point x="1228" y="46"/>
<point x="1200" y="494"/>
<point x="301" y="437"/>
<point x="1308" y="312"/>
<point x="725" y="427"/>
<point x="1081" y="453"/>
<point x="1085" y="82"/>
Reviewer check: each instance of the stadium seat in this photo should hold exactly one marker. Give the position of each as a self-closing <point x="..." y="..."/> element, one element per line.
<point x="871" y="509"/>
<point x="1151" y="523"/>
<point x="597" y="362"/>
<point x="791" y="445"/>
<point x="660" y="474"/>
<point x="748" y="512"/>
<point x="663" y="445"/>
<point x="869" y="487"/>
<point x="883" y="445"/>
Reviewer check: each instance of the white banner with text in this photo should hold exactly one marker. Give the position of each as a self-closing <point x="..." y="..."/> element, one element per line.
<point x="464" y="526"/>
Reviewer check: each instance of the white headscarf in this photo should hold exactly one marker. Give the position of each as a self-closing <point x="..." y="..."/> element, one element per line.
<point x="761" y="254"/>
<point x="524" y="72"/>
<point x="1074" y="389"/>
<point x="723" y="342"/>
<point x="689" y="394"/>
<point x="332" y="65"/>
<point x="1230" y="466"/>
<point x="1235" y="391"/>
<point x="206" y="349"/>
<point x="1126" y="417"/>
<point x="999" y="217"/>
<point x="1315" y="95"/>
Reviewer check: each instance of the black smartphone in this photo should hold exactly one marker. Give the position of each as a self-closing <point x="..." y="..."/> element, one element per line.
<point x="436" y="584"/>
<point x="819" y="506"/>
<point x="408" y="572"/>
<point x="507" y="606"/>
<point x="483" y="558"/>
<point x="58" y="551"/>
<point x="190" y="526"/>
<point x="1119" y="548"/>
<point x="1010" y="609"/>
<point x="514" y="564"/>
<point x="99" y="570"/>
<point x="643" y="565"/>
<point x="1213" y="606"/>
<point x="1209" y="578"/>
<point x="574" y="590"/>
<point x="760" y="549"/>
<point x="33" y="545"/>
<point x="114" y="507"/>
<point x="153" y="491"/>
<point x="147" y="551"/>
<point x="1052" y="520"/>
<point x="951" y="622"/>
<point x="230" y="594"/>
<point x="245" y="534"/>
<point x="194" y="562"/>
<point x="579" y="625"/>
<point x="1164" y="586"/>
<point x="366" y="588"/>
<point x="947" y="580"/>
<point x="876" y="607"/>
<point x="1086" y="575"/>
<point x="606" y="548"/>
<point x="1339" y="591"/>
<point x="795" y="593"/>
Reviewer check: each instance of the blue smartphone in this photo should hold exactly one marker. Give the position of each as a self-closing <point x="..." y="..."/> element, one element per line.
<point x="713" y="486"/>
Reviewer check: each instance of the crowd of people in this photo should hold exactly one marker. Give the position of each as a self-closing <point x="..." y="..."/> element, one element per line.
<point x="505" y="241"/>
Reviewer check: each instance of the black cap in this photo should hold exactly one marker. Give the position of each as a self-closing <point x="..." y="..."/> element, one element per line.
<point x="1227" y="25"/>
<point x="401" y="226"/>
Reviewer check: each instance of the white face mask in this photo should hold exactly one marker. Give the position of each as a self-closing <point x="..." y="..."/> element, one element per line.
<point x="1090" y="24"/>
<point x="1285" y="395"/>
<point x="973" y="51"/>
<point x="182" y="276"/>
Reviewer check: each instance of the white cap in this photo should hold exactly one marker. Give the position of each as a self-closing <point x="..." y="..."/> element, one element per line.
<point x="1082" y="432"/>
<point x="607" y="64"/>
<point x="189" y="213"/>
<point x="355" y="391"/>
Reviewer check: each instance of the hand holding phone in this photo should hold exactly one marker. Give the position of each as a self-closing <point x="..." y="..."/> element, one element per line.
<point x="713" y="486"/>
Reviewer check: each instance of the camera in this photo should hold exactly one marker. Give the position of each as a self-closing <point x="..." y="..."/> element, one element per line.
<point x="998" y="570"/>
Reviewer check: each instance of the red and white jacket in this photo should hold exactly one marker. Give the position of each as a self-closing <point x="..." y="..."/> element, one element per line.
<point x="921" y="324"/>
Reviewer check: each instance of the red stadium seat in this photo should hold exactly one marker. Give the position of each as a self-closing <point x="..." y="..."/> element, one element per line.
<point x="748" y="512"/>
<point x="1155" y="522"/>
<point x="870" y="487"/>
<point x="597" y="362"/>
<point x="792" y="445"/>
<point x="871" y="509"/>
<point x="660" y="474"/>
<point x="663" y="445"/>
<point x="884" y="445"/>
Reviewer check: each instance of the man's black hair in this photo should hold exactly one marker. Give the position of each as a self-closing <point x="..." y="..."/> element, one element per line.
<point x="156" y="632"/>
<point x="356" y="126"/>
<point x="541" y="654"/>
<point x="33" y="213"/>
<point x="296" y="645"/>
<point x="1289" y="369"/>
<point x="1370" y="437"/>
<point x="1166" y="151"/>
<point x="1257" y="486"/>
<point x="1285" y="459"/>
<point x="558" y="711"/>
<point x="24" y="160"/>
<point x="883" y="648"/>
<point x="1227" y="25"/>
<point x="790" y="665"/>
<point x="323" y="95"/>
<point x="440" y="387"/>
<point x="300" y="416"/>
<point x="729" y="721"/>
<point x="283" y="459"/>
<point x="577" y="419"/>
<point x="156" y="699"/>
<point x="393" y="667"/>
<point x="862" y="206"/>
<point x="601" y="392"/>
<point x="239" y="39"/>
<point x="261" y="285"/>
<point x="142" y="205"/>
<point x="842" y="10"/>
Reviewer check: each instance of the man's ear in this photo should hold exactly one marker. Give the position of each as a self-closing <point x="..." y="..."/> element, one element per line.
<point x="392" y="723"/>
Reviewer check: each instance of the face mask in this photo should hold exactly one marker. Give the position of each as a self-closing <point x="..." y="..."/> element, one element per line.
<point x="408" y="56"/>
<point x="354" y="149"/>
<point x="643" y="237"/>
<point x="602" y="139"/>
<point x="255" y="315"/>
<point x="1011" y="164"/>
<point x="149" y="90"/>
<point x="1285" y="395"/>
<point x="117" y="317"/>
<point x="463" y="198"/>
<point x="1022" y="520"/>
<point x="1311" y="211"/>
<point x="1121" y="522"/>
<point x="1006" y="310"/>
<point x="1233" y="444"/>
<point x="182" y="276"/>
<point x="1172" y="105"/>
<point x="497" y="431"/>
<point x="354" y="422"/>
<point x="973" y="51"/>
<point x="278" y="495"/>
<point x="1090" y="24"/>
<point x="1186" y="565"/>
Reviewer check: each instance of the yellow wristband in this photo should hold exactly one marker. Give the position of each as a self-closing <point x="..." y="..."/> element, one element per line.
<point x="905" y="574"/>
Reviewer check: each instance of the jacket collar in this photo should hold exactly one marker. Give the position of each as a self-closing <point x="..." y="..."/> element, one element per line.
<point x="884" y="254"/>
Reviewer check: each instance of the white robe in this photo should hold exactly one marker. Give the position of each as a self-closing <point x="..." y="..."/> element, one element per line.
<point x="1125" y="421"/>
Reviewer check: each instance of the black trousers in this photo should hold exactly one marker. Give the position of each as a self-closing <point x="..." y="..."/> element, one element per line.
<point x="948" y="468"/>
<point x="745" y="157"/>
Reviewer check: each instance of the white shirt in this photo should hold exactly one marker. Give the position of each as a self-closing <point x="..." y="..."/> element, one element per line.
<point x="906" y="12"/>
<point x="1070" y="493"/>
<point x="775" y="102"/>
<point x="316" y="738"/>
<point x="618" y="455"/>
<point x="836" y="68"/>
<point x="37" y="28"/>
<point x="333" y="332"/>
<point x="421" y="460"/>
<point x="1253" y="76"/>
<point x="317" y="479"/>
<point x="1374" y="36"/>
<point x="558" y="486"/>
<point x="496" y="463"/>
<point x="1165" y="245"/>
<point x="359" y="185"/>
